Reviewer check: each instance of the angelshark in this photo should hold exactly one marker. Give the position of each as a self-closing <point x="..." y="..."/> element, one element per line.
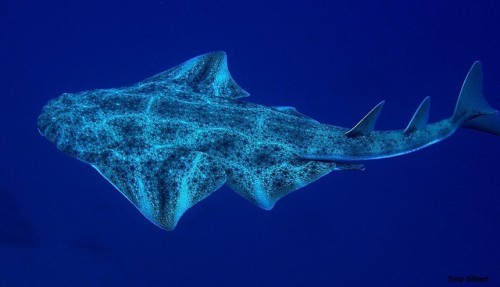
<point x="169" y="141"/>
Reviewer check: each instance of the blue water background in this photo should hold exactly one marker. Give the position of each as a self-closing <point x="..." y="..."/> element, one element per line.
<point x="407" y="221"/>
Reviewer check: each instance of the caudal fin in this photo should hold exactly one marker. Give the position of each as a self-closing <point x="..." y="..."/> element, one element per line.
<point x="472" y="109"/>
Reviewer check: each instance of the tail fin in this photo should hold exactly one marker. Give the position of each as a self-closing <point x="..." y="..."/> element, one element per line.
<point x="472" y="109"/>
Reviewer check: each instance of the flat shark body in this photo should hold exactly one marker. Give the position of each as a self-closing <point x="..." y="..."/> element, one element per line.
<point x="169" y="141"/>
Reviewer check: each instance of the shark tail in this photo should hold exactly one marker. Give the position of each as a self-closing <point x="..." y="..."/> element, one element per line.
<point x="472" y="110"/>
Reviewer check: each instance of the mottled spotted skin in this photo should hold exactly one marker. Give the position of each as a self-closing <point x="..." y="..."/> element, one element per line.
<point x="168" y="142"/>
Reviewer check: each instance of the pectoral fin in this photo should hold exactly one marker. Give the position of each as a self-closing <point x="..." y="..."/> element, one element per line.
<point x="163" y="186"/>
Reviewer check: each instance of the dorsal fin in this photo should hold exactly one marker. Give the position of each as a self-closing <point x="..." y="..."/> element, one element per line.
<point x="367" y="123"/>
<point x="420" y="117"/>
<point x="206" y="74"/>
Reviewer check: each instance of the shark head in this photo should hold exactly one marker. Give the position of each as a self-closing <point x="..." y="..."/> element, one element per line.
<point x="56" y="124"/>
<point x="70" y="121"/>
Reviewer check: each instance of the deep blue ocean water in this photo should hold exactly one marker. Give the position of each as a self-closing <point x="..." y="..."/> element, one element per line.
<point x="414" y="220"/>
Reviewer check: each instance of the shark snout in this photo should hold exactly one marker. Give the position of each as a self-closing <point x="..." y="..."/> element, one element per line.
<point x="48" y="124"/>
<point x="55" y="117"/>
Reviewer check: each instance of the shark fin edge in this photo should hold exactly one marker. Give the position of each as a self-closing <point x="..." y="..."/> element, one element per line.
<point x="472" y="110"/>
<point x="420" y="117"/>
<point x="207" y="75"/>
<point x="366" y="125"/>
